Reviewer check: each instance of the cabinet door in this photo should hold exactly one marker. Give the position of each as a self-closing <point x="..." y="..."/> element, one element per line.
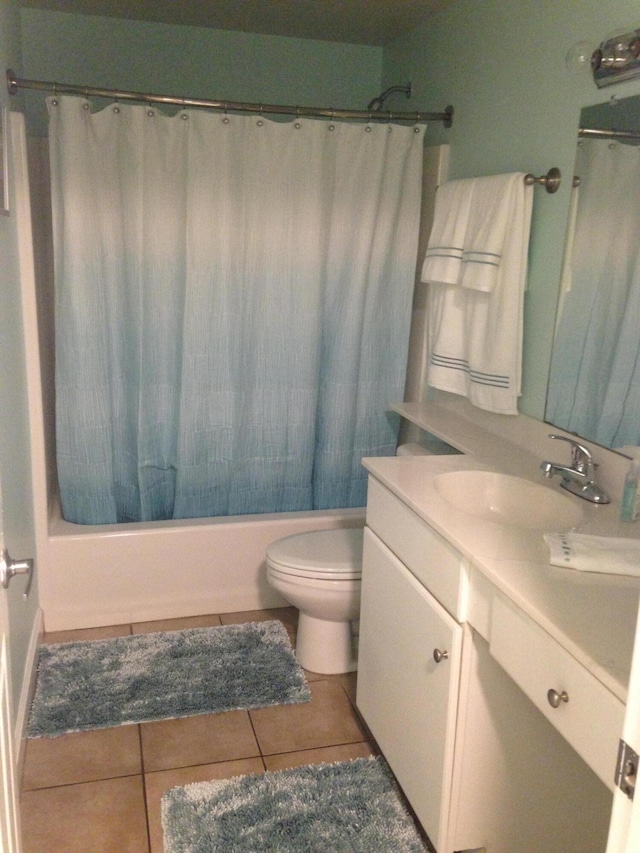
<point x="408" y="700"/>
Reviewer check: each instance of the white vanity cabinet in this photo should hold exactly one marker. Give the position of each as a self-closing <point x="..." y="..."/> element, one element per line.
<point x="448" y="685"/>
<point x="408" y="681"/>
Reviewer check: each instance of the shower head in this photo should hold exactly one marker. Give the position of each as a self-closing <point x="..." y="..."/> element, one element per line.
<point x="376" y="104"/>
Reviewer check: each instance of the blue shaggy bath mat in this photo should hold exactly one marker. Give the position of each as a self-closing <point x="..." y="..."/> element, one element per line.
<point x="349" y="807"/>
<point x="103" y="683"/>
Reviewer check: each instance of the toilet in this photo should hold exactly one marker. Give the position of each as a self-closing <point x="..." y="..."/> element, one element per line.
<point x="320" y="573"/>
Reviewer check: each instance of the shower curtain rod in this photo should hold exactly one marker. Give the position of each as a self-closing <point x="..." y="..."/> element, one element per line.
<point x="15" y="83"/>
<point x="603" y="133"/>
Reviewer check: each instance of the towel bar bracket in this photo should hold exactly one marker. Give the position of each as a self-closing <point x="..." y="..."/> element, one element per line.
<point x="550" y="181"/>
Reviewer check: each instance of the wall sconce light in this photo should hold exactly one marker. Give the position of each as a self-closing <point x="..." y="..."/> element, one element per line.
<point x="617" y="59"/>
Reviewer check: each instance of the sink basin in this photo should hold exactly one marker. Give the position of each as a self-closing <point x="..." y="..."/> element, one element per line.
<point x="507" y="500"/>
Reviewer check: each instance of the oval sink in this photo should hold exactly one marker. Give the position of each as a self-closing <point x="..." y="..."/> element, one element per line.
<point x="508" y="500"/>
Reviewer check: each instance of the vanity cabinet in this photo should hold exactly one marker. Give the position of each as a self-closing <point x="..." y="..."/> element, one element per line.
<point x="453" y="681"/>
<point x="408" y="681"/>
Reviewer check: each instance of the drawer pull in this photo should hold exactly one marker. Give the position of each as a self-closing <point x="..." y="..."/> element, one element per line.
<point x="439" y="655"/>
<point x="554" y="698"/>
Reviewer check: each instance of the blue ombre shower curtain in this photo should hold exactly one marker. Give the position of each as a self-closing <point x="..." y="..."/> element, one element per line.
<point x="233" y="299"/>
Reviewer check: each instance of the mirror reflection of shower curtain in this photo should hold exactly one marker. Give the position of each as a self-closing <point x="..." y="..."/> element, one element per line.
<point x="594" y="387"/>
<point x="233" y="298"/>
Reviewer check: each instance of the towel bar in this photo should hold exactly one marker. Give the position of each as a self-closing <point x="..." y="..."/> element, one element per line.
<point x="550" y="181"/>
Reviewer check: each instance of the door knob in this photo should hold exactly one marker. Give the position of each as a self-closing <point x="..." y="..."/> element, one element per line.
<point x="440" y="655"/>
<point x="9" y="568"/>
<point x="554" y="698"/>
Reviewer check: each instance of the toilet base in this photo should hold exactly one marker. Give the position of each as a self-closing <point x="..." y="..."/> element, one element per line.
<point x="325" y="647"/>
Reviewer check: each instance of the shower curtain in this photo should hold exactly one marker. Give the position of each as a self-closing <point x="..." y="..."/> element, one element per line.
<point x="594" y="387"/>
<point x="233" y="299"/>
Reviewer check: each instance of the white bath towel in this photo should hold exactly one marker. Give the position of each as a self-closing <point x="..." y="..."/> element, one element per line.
<point x="603" y="554"/>
<point x="475" y="335"/>
<point x="443" y="258"/>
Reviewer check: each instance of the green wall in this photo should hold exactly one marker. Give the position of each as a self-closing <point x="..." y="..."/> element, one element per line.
<point x="193" y="61"/>
<point x="15" y="449"/>
<point x="502" y="65"/>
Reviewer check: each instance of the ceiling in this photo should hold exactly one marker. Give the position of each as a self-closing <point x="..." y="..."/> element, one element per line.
<point x="371" y="22"/>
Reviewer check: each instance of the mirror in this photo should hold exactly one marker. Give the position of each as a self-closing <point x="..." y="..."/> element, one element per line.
<point x="594" y="380"/>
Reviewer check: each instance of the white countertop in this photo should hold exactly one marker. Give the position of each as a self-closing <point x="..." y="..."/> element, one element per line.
<point x="593" y="616"/>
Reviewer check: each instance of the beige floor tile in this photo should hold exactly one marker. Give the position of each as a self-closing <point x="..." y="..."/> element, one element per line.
<point x="315" y="676"/>
<point x="327" y="754"/>
<point x="157" y="783"/>
<point x="212" y="621"/>
<point x="349" y="682"/>
<point x="94" y="817"/>
<point x="329" y="719"/>
<point x="82" y="757"/>
<point x="204" y="739"/>
<point x="105" y="633"/>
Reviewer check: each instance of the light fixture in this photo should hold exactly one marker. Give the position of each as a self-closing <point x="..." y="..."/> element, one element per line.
<point x="617" y="59"/>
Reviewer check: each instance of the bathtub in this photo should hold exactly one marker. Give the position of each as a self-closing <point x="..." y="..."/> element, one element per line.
<point x="117" y="573"/>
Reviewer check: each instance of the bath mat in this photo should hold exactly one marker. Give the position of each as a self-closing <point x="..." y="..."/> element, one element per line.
<point x="351" y="806"/>
<point x="103" y="683"/>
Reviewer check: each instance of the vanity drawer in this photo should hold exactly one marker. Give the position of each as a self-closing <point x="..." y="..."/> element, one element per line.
<point x="427" y="555"/>
<point x="587" y="715"/>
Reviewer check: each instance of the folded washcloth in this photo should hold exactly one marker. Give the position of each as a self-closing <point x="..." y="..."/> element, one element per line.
<point x="443" y="258"/>
<point x="594" y="553"/>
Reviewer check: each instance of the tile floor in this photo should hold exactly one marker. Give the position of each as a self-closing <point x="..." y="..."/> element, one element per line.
<point x="99" y="791"/>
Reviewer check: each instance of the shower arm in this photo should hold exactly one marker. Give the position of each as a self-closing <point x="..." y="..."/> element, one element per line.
<point x="377" y="103"/>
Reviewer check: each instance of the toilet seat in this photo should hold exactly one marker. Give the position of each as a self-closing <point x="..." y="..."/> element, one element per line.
<point x="324" y="554"/>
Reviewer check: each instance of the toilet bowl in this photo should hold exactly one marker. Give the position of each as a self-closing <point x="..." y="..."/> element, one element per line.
<point x="320" y="573"/>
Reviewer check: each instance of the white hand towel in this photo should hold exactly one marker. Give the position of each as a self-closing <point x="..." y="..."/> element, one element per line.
<point x="603" y="554"/>
<point x="443" y="258"/>
<point x="492" y="221"/>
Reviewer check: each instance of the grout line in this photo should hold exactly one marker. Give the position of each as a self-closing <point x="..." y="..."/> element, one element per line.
<point x="144" y="789"/>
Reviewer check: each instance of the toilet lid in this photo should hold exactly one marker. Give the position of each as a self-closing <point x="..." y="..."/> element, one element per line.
<point x="335" y="554"/>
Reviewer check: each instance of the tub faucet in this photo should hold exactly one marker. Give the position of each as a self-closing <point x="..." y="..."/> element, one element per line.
<point x="577" y="478"/>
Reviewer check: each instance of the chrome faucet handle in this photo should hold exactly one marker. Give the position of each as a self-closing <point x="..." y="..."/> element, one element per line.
<point x="581" y="458"/>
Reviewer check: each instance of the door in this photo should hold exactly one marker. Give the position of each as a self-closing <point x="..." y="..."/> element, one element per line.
<point x="17" y="529"/>
<point x="408" y="681"/>
<point x="624" y="830"/>
<point x="9" y="819"/>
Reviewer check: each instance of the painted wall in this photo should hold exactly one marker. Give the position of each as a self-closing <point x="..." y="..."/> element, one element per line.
<point x="14" y="428"/>
<point x="193" y="61"/>
<point x="501" y="63"/>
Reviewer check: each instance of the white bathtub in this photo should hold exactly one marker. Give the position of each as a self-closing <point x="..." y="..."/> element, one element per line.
<point x="118" y="573"/>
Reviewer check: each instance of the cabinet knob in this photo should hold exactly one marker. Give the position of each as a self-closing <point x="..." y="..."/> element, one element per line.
<point x="440" y="655"/>
<point x="554" y="698"/>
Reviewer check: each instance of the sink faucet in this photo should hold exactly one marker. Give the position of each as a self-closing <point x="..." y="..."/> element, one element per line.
<point x="577" y="478"/>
